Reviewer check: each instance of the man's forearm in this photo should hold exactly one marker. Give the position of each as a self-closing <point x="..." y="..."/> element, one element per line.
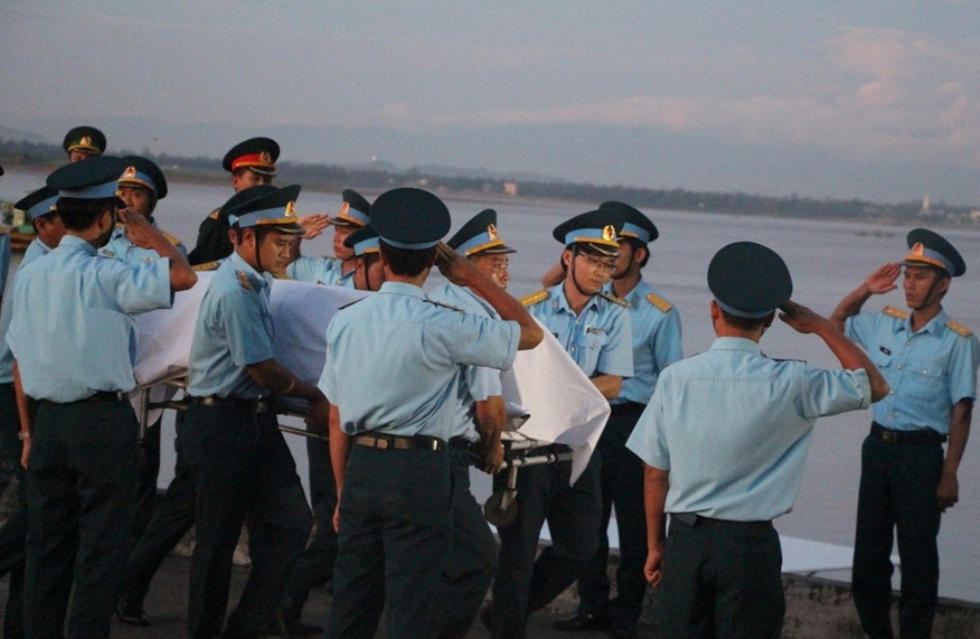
<point x="339" y="449"/>
<point x="655" y="484"/>
<point x="959" y="433"/>
<point x="608" y="385"/>
<point x="850" y="305"/>
<point x="852" y="358"/>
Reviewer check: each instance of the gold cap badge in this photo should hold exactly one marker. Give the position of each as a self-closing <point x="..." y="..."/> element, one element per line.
<point x="130" y="172"/>
<point x="609" y="232"/>
<point x="918" y="249"/>
<point x="265" y="158"/>
<point x="85" y="141"/>
<point x="492" y="233"/>
<point x="290" y="209"/>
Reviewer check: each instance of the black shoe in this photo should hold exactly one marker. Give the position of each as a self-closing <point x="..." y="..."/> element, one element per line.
<point x="131" y="613"/>
<point x="583" y="621"/>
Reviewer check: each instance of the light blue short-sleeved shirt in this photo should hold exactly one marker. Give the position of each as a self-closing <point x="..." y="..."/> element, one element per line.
<point x="656" y="341"/>
<point x="34" y="250"/>
<point x="599" y="339"/>
<point x="71" y="329"/>
<point x="393" y="360"/>
<point x="234" y="329"/>
<point x="928" y="370"/>
<point x="320" y="270"/>
<point x="476" y="383"/>
<point x="4" y="261"/>
<point x="733" y="426"/>
<point x="121" y="248"/>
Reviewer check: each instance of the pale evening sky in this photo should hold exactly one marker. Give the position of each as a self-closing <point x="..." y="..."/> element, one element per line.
<point x="878" y="100"/>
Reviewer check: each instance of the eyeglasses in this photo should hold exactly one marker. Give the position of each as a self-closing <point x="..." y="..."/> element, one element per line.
<point x="597" y="264"/>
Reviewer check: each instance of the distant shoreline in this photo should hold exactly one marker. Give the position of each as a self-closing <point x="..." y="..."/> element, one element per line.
<point x="581" y="196"/>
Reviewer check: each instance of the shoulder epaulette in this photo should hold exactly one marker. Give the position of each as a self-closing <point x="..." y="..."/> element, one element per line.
<point x="207" y="266"/>
<point x="615" y="300"/>
<point x="959" y="329"/>
<point x="449" y="306"/>
<point x="659" y="302"/>
<point x="244" y="281"/>
<point x="534" y="298"/>
<point x="173" y="239"/>
<point x="894" y="312"/>
<point x="214" y="214"/>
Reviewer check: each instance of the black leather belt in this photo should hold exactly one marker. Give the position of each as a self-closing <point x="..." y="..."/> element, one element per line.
<point x="105" y="396"/>
<point x="919" y="436"/>
<point x="460" y="443"/>
<point x="258" y="406"/>
<point x="694" y="519"/>
<point x="384" y="441"/>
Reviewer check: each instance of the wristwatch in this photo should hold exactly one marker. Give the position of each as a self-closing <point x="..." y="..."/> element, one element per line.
<point x="23" y="434"/>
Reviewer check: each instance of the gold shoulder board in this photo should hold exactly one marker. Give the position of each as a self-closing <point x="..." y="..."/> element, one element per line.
<point x="173" y="239"/>
<point x="534" y="298"/>
<point x="615" y="300"/>
<point x="959" y="329"/>
<point x="894" y="312"/>
<point x="244" y="281"/>
<point x="206" y="266"/>
<point x="659" y="302"/>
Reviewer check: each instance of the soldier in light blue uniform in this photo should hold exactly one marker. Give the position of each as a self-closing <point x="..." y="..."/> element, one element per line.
<point x="724" y="438"/>
<point x="241" y="465"/>
<point x="475" y="440"/>
<point x="391" y="376"/>
<point x="656" y="328"/>
<point x="594" y="328"/>
<point x="337" y="270"/>
<point x="315" y="564"/>
<point x="930" y="363"/>
<point x="73" y="341"/>
<point x="40" y="208"/>
<point x="173" y="514"/>
<point x="141" y="186"/>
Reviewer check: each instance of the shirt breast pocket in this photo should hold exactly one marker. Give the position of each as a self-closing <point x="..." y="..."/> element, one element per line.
<point x="929" y="382"/>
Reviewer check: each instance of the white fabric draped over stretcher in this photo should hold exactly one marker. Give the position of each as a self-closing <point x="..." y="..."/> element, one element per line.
<point x="564" y="406"/>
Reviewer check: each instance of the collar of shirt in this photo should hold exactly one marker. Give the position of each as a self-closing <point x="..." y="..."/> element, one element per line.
<point x="74" y="243"/>
<point x="402" y="288"/>
<point x="558" y="293"/>
<point x="262" y="281"/>
<point x="935" y="325"/>
<point x="735" y="344"/>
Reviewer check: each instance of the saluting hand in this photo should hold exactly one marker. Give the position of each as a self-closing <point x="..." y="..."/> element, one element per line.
<point x="801" y="318"/>
<point x="314" y="224"/>
<point x="452" y="265"/>
<point x="138" y="229"/>
<point x="883" y="278"/>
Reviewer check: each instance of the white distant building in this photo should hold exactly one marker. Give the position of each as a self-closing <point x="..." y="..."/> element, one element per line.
<point x="510" y="188"/>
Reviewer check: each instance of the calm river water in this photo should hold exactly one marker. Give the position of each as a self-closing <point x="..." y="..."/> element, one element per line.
<point x="827" y="260"/>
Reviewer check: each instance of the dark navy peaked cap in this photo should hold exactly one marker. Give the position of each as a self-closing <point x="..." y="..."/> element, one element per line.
<point x="932" y="249"/>
<point x="410" y="218"/>
<point x="749" y="280"/>
<point x="480" y="236"/>
<point x="635" y="224"/>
